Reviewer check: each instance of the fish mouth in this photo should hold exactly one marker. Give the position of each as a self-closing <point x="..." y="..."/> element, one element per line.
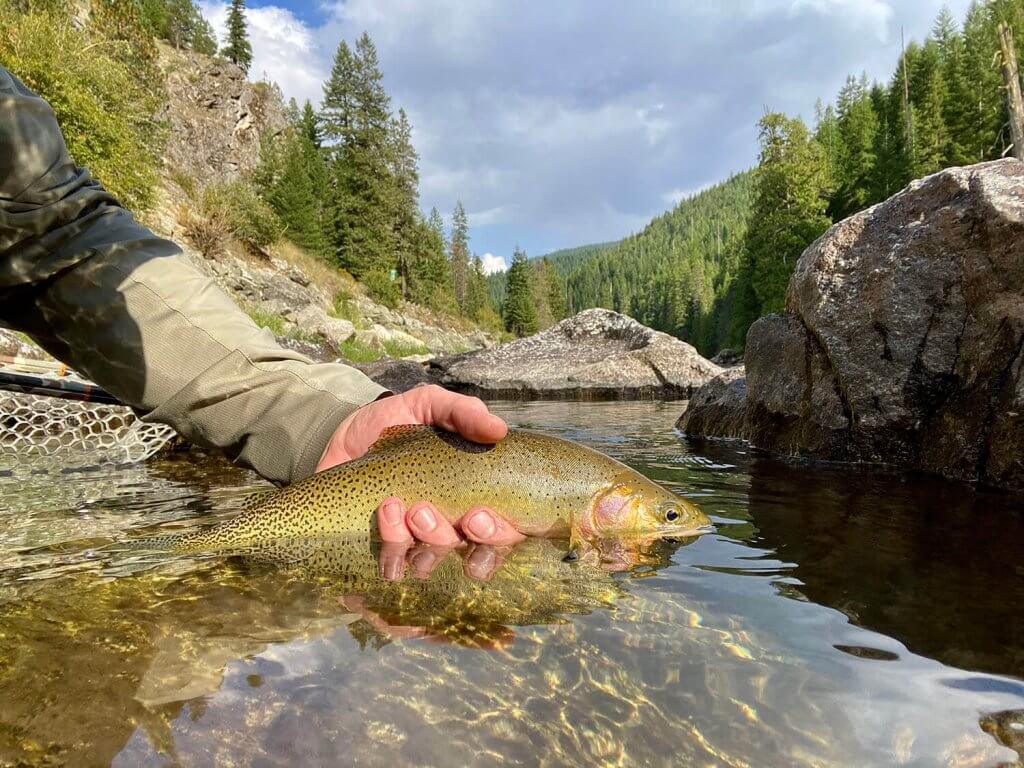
<point x="688" y="533"/>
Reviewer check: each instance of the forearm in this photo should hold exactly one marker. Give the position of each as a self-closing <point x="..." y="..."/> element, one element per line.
<point x="126" y="308"/>
<point x="162" y="337"/>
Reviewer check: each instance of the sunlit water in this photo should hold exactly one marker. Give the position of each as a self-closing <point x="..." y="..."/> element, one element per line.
<point x="836" y="617"/>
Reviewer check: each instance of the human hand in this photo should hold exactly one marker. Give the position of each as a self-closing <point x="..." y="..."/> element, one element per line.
<point x="433" y="405"/>
<point x="488" y="533"/>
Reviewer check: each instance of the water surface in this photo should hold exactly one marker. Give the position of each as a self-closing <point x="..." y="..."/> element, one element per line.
<point x="838" y="616"/>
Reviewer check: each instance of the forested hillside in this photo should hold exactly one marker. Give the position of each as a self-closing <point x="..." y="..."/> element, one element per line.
<point x="702" y="273"/>
<point x="563" y="262"/>
<point x="677" y="274"/>
<point x="341" y="181"/>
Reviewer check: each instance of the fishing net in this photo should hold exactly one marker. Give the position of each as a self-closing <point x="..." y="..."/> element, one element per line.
<point x="34" y="429"/>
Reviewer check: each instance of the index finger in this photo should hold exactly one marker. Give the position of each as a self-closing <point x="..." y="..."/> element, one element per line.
<point x="468" y="416"/>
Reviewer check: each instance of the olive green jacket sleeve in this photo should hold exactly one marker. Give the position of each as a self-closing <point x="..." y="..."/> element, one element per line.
<point x="127" y="309"/>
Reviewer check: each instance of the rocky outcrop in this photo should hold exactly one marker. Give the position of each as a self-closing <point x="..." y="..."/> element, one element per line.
<point x="216" y="117"/>
<point x="719" y="407"/>
<point x="598" y="354"/>
<point x="903" y="335"/>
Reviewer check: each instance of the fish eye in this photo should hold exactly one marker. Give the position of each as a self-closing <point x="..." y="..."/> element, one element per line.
<point x="671" y="514"/>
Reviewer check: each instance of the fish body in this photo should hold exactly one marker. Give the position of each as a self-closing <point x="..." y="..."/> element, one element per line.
<point x="544" y="485"/>
<point x="533" y="585"/>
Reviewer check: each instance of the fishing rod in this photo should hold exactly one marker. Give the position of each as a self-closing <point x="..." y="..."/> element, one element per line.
<point x="50" y="380"/>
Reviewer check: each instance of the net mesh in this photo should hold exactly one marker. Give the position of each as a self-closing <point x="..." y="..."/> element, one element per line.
<point x="34" y="428"/>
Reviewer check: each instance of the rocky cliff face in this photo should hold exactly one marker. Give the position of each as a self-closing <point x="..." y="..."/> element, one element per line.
<point x="217" y="120"/>
<point x="216" y="116"/>
<point x="597" y="354"/>
<point x="902" y="337"/>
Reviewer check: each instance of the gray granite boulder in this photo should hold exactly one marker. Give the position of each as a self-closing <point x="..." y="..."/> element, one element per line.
<point x="903" y="335"/>
<point x="598" y="354"/>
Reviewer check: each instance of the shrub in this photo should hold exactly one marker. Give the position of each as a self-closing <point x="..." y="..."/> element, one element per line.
<point x="245" y="214"/>
<point x="99" y="80"/>
<point x="382" y="289"/>
<point x="209" y="234"/>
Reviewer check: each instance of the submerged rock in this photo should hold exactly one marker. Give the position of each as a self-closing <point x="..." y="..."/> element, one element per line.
<point x="902" y="337"/>
<point x="399" y="375"/>
<point x="598" y="354"/>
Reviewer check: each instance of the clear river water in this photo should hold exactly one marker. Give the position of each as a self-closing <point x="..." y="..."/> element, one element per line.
<point x="837" y="616"/>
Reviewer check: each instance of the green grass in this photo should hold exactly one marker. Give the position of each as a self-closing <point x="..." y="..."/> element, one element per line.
<point x="345" y="309"/>
<point x="185" y="181"/>
<point x="397" y="349"/>
<point x="272" y="322"/>
<point x="355" y="352"/>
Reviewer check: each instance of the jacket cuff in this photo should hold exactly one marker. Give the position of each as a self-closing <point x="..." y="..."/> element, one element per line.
<point x="307" y="459"/>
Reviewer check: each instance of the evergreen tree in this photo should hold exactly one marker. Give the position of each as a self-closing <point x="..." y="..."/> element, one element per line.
<point x="789" y="208"/>
<point x="357" y="119"/>
<point x="858" y="125"/>
<point x="237" y="48"/>
<point x="519" y="314"/>
<point x="458" y="253"/>
<point x="405" y="205"/>
<point x="476" y="289"/>
<point x="928" y="96"/>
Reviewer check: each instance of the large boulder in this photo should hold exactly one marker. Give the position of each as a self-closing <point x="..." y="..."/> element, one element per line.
<point x="902" y="337"/>
<point x="719" y="407"/>
<point x="598" y="354"/>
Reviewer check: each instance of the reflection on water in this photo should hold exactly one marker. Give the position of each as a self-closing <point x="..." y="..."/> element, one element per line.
<point x="835" y="618"/>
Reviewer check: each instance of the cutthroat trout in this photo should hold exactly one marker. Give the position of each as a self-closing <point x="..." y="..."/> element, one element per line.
<point x="543" y="485"/>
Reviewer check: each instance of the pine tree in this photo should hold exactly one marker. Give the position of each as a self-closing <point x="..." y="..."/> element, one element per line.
<point x="405" y="205"/>
<point x="458" y="250"/>
<point x="928" y="96"/>
<point x="519" y="313"/>
<point x="476" y="289"/>
<point x="362" y="207"/>
<point x="237" y="49"/>
<point x="789" y="207"/>
<point x="858" y="126"/>
<point x="339" y="104"/>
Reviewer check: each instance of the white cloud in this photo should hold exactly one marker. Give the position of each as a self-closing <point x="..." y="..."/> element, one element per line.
<point x="284" y="49"/>
<point x="493" y="263"/>
<point x="571" y="123"/>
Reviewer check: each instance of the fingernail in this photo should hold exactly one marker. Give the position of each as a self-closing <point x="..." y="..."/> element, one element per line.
<point x="392" y="513"/>
<point x="424" y="520"/>
<point x="481" y="524"/>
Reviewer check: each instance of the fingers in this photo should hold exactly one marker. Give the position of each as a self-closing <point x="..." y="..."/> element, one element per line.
<point x="430" y="527"/>
<point x="391" y="521"/>
<point x="482" y="561"/>
<point x="485" y="526"/>
<point x="424" y="559"/>
<point x="457" y="413"/>
<point x="391" y="560"/>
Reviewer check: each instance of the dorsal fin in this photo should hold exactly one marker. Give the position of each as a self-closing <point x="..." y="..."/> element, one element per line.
<point x="397" y="434"/>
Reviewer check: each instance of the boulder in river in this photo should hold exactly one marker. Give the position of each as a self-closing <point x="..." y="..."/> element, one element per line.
<point x="903" y="336"/>
<point x="597" y="354"/>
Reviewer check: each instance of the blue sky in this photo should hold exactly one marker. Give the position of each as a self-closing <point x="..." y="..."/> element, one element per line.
<point x="565" y="122"/>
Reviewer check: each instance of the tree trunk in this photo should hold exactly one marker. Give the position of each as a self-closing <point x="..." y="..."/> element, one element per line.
<point x="1011" y="79"/>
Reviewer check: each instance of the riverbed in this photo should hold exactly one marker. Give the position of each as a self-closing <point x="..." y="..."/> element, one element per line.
<point x="837" y="616"/>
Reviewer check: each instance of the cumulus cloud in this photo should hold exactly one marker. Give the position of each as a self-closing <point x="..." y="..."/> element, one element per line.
<point x="284" y="48"/>
<point x="562" y="125"/>
<point x="493" y="263"/>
